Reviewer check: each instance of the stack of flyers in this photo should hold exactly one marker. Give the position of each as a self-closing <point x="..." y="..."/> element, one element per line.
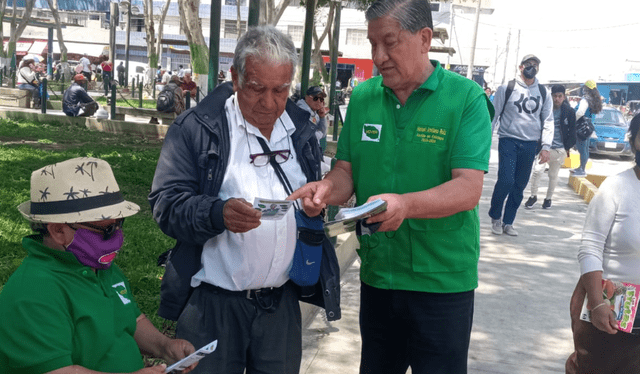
<point x="347" y="218"/>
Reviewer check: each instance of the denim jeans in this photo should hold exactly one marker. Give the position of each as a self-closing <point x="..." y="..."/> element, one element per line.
<point x="428" y="331"/>
<point x="515" y="159"/>
<point x="583" y="147"/>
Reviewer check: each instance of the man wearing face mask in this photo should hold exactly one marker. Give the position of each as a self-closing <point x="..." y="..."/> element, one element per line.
<point x="525" y="123"/>
<point x="313" y="102"/>
<point x="68" y="308"/>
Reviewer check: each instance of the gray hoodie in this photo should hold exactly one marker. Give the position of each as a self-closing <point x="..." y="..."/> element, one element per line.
<point x="524" y="118"/>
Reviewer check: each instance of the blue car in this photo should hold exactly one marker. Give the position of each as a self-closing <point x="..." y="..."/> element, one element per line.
<point x="610" y="137"/>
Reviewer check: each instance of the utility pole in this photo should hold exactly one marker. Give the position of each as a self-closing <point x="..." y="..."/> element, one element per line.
<point x="475" y="39"/>
<point x="506" y="59"/>
<point x="450" y="35"/>
<point x="495" y="67"/>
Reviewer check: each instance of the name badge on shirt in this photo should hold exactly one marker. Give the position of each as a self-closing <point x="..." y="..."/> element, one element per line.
<point x="430" y="135"/>
<point x="371" y="133"/>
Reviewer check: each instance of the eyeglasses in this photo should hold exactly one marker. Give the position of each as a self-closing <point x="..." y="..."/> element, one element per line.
<point x="263" y="159"/>
<point x="318" y="98"/>
<point x="107" y="232"/>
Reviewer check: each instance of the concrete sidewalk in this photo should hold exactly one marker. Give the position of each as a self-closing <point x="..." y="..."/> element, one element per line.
<point x="521" y="322"/>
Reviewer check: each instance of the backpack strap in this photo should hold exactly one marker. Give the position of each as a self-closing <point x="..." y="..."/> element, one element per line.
<point x="507" y="94"/>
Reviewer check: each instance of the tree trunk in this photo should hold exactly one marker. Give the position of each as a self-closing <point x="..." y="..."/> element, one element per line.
<point x="165" y="8"/>
<point x="150" y="30"/>
<point x="53" y="5"/>
<point x="270" y="14"/>
<point x="316" y="52"/>
<point x="11" y="45"/>
<point x="193" y="30"/>
<point x="17" y="31"/>
<point x="3" y="9"/>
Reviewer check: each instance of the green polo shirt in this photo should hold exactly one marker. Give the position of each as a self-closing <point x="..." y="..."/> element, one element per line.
<point x="444" y="125"/>
<point x="56" y="312"/>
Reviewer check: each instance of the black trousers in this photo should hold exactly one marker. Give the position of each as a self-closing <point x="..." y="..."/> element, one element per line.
<point x="428" y="331"/>
<point x="262" y="335"/>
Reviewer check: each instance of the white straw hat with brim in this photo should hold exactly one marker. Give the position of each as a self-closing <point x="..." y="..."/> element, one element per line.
<point x="77" y="190"/>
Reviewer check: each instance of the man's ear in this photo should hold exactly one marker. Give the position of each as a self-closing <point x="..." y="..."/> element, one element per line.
<point x="427" y="36"/>
<point x="235" y="79"/>
<point x="58" y="233"/>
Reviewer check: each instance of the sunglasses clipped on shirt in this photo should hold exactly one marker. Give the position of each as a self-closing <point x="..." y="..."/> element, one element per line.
<point x="107" y="231"/>
<point x="318" y="98"/>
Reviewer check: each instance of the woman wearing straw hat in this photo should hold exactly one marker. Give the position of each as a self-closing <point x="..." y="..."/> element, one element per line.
<point x="68" y="308"/>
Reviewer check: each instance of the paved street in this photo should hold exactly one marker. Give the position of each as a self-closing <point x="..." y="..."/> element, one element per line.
<point x="521" y="323"/>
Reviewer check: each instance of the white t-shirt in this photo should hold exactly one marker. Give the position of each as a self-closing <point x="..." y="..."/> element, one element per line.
<point x="86" y="64"/>
<point x="611" y="234"/>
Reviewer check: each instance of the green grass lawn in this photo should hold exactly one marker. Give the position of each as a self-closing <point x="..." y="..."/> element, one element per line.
<point x="27" y="146"/>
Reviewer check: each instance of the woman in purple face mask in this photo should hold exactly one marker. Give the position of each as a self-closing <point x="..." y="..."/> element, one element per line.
<point x="68" y="307"/>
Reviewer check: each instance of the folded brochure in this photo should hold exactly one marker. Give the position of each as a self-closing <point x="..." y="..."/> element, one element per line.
<point x="193" y="358"/>
<point x="622" y="299"/>
<point x="347" y="218"/>
<point x="272" y="209"/>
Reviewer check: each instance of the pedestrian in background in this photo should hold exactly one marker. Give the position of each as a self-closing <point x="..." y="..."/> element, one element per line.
<point x="589" y="106"/>
<point x="609" y="249"/>
<point x="188" y="85"/>
<point x="524" y="122"/>
<point x="313" y="102"/>
<point x="107" y="74"/>
<point x="121" y="74"/>
<point x="76" y="102"/>
<point x="86" y="67"/>
<point x="564" y="137"/>
<point x="28" y="80"/>
<point x="419" y="138"/>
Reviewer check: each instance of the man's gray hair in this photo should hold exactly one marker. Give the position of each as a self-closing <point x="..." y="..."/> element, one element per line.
<point x="264" y="43"/>
<point x="413" y="15"/>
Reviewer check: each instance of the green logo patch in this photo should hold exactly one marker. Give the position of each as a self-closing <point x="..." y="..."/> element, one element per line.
<point x="371" y="132"/>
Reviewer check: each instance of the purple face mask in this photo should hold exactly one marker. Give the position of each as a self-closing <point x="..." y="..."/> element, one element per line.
<point x="91" y="250"/>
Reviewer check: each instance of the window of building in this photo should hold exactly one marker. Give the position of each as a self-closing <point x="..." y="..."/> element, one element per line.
<point x="295" y="32"/>
<point x="94" y="17"/>
<point x="231" y="28"/>
<point x="435" y="7"/>
<point x="235" y="2"/>
<point x="356" y="37"/>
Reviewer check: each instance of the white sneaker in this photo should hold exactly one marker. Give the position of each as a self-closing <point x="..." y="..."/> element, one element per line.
<point x="496" y="226"/>
<point x="579" y="174"/>
<point x="509" y="230"/>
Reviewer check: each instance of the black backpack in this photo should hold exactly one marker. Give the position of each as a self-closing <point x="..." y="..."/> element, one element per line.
<point x="166" y="101"/>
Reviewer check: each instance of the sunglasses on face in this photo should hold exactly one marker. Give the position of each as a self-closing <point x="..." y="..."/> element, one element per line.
<point x="318" y="98"/>
<point x="107" y="231"/>
<point x="529" y="64"/>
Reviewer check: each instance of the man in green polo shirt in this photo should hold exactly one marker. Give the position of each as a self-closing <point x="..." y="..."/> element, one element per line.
<point x="419" y="138"/>
<point x="67" y="308"/>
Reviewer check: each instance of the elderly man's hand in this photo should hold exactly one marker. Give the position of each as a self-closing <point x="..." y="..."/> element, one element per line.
<point x="240" y="216"/>
<point x="392" y="218"/>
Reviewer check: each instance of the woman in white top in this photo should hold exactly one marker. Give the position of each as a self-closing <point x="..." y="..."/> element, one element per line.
<point x="589" y="106"/>
<point x="610" y="249"/>
<point x="27" y="80"/>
